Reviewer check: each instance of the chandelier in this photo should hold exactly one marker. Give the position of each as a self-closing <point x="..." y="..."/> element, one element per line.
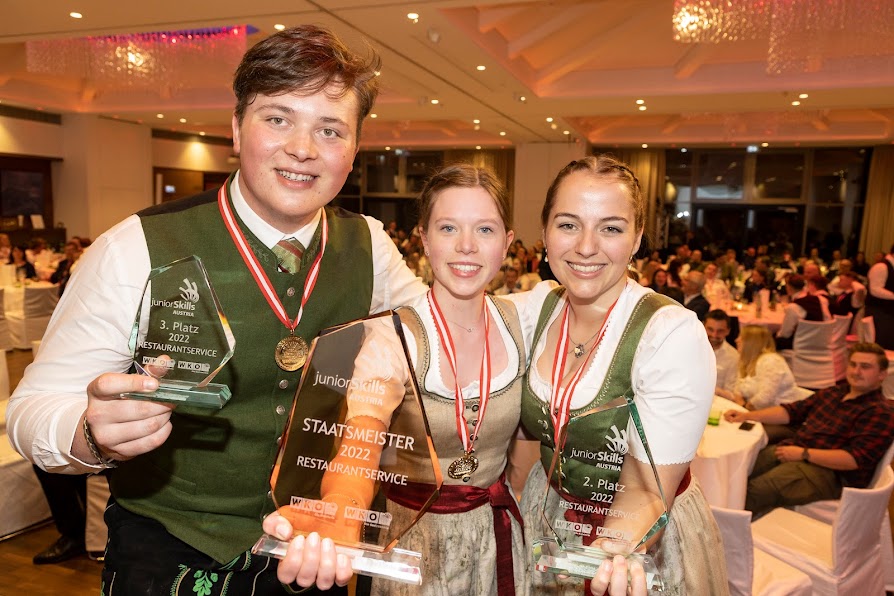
<point x="800" y="33"/>
<point x="157" y="61"/>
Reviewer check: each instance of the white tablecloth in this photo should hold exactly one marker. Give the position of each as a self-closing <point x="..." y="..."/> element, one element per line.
<point x="14" y="295"/>
<point x="771" y="319"/>
<point x="725" y="457"/>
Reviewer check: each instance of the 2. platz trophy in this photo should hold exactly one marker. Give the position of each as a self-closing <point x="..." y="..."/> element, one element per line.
<point x="181" y="336"/>
<point x="600" y="500"/>
<point x="357" y="430"/>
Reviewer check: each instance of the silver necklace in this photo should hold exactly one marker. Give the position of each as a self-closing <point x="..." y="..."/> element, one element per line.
<point x="579" y="349"/>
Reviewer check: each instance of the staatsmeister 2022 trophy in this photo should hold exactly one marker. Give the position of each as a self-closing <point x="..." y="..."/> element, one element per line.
<point x="357" y="430"/>
<point x="600" y="501"/>
<point x="181" y="336"/>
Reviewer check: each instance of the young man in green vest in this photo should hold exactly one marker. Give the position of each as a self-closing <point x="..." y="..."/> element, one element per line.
<point x="190" y="487"/>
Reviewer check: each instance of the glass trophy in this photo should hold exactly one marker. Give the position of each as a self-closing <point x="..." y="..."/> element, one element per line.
<point x="600" y="500"/>
<point x="357" y="430"/>
<point x="181" y="336"/>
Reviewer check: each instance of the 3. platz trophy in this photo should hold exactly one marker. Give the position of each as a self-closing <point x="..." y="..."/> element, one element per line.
<point x="181" y="336"/>
<point x="600" y="500"/>
<point x="357" y="430"/>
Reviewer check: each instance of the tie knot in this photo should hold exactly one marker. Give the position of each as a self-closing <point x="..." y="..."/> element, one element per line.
<point x="289" y="251"/>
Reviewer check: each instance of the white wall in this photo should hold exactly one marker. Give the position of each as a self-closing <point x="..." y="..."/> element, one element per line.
<point x="26" y="137"/>
<point x="105" y="175"/>
<point x="192" y="155"/>
<point x="536" y="164"/>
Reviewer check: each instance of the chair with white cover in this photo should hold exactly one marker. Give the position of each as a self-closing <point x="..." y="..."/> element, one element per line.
<point x="30" y="323"/>
<point x="825" y="511"/>
<point x="843" y="557"/>
<point x="817" y="361"/>
<point x="750" y="570"/>
<point x="866" y="329"/>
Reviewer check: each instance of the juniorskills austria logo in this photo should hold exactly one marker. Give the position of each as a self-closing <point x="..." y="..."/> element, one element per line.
<point x="618" y="442"/>
<point x="190" y="291"/>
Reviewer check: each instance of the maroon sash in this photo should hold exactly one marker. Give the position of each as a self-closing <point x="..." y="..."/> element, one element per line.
<point x="459" y="499"/>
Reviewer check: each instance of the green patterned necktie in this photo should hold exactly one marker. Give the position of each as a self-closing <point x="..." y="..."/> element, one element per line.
<point x="288" y="252"/>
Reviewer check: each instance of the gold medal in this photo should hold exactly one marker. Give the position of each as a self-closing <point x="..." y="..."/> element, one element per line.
<point x="463" y="467"/>
<point x="291" y="353"/>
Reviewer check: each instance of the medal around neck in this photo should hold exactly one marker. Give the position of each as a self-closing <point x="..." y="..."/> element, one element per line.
<point x="600" y="500"/>
<point x="181" y="336"/>
<point x="357" y="432"/>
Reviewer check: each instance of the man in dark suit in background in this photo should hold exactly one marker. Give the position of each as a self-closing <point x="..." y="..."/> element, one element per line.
<point x="693" y="284"/>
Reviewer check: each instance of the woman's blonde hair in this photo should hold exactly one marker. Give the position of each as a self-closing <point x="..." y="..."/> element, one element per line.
<point x="756" y="341"/>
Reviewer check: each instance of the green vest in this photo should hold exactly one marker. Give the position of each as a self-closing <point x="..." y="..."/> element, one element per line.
<point x="208" y="483"/>
<point x="617" y="384"/>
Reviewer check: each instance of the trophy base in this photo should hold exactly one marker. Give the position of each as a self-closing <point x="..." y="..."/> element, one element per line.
<point x="397" y="564"/>
<point x="583" y="562"/>
<point x="212" y="395"/>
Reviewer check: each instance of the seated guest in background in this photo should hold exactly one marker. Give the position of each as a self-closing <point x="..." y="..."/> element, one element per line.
<point x="749" y="258"/>
<point x="861" y="265"/>
<point x="648" y="271"/>
<point x="755" y="283"/>
<point x="43" y="259"/>
<point x="841" y="434"/>
<point x="717" y="327"/>
<point x="817" y="285"/>
<point x="729" y="269"/>
<point x="5" y="247"/>
<point x="787" y="262"/>
<point x="763" y="379"/>
<point x="849" y="294"/>
<point x="660" y="285"/>
<point x="802" y="306"/>
<point x="695" y="261"/>
<point x="675" y="273"/>
<point x="810" y="268"/>
<point x="835" y="265"/>
<point x="24" y="269"/>
<point x="716" y="290"/>
<point x="693" y="284"/>
<point x="64" y="269"/>
<point x="510" y="283"/>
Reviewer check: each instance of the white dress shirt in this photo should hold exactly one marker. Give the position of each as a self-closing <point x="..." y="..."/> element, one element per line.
<point x="89" y="330"/>
<point x="727" y="366"/>
<point x="878" y="277"/>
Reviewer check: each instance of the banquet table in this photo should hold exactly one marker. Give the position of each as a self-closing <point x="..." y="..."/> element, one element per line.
<point x="725" y="457"/>
<point x="771" y="319"/>
<point x="14" y="295"/>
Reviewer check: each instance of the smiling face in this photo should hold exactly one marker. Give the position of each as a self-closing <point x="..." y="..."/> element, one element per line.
<point x="296" y="152"/>
<point x="466" y="241"/>
<point x="590" y="236"/>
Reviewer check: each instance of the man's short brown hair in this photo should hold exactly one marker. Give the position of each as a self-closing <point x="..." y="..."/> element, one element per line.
<point x="306" y="59"/>
<point x="870" y="348"/>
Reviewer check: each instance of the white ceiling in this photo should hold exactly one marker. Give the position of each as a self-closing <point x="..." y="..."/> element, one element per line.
<point x="583" y="63"/>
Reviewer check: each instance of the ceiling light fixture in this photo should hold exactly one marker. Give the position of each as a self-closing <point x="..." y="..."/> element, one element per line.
<point x="481" y="67"/>
<point x="549" y="119"/>
<point x="566" y="132"/>
<point x="413" y="16"/>
<point x="803" y="96"/>
<point x="642" y="108"/>
<point x="202" y="133"/>
<point x="554" y="126"/>
<point x="645" y="145"/>
<point x="476" y="121"/>
<point x="183" y="121"/>
<point x="159" y="116"/>
<point x="279" y="26"/>
<point x="683" y="150"/>
<point x="640" y="102"/>
<point x="796" y="103"/>
<point x="435" y="102"/>
<point x="76" y="15"/>
<point x="765" y="144"/>
<point x="502" y="133"/>
<point x="477" y="146"/>
<point x="373" y="115"/>
<point x="387" y="147"/>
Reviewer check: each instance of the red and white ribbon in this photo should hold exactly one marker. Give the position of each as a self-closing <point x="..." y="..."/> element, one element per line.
<point x="251" y="261"/>
<point x="462" y="428"/>
<point x="560" y="400"/>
